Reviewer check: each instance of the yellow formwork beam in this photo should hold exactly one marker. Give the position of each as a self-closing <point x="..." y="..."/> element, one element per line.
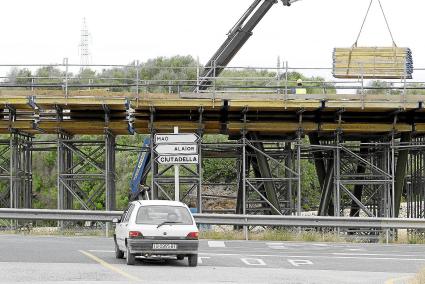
<point x="419" y="127"/>
<point x="278" y="105"/>
<point x="22" y="125"/>
<point x="367" y="106"/>
<point x="16" y="102"/>
<point x="176" y="104"/>
<point x="84" y="127"/>
<point x="82" y="103"/>
<point x="308" y="127"/>
<point x="272" y="127"/>
<point x="368" y="128"/>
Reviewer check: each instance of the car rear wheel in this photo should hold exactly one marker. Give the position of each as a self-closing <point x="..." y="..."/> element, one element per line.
<point x="118" y="253"/>
<point x="131" y="259"/>
<point x="180" y="257"/>
<point x="193" y="260"/>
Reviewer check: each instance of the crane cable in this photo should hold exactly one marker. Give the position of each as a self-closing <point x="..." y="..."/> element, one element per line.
<point x="385" y="18"/>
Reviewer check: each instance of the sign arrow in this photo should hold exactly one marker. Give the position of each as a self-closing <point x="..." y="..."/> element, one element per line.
<point x="175" y="149"/>
<point x="176" y="138"/>
<point x="178" y="160"/>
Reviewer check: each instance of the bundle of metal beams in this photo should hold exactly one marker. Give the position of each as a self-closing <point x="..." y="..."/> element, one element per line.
<point x="373" y="63"/>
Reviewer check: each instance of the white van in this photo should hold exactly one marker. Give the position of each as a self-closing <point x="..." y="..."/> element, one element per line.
<point x="156" y="228"/>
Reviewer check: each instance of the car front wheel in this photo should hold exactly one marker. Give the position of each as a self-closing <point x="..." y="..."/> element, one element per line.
<point x="193" y="260"/>
<point x="131" y="259"/>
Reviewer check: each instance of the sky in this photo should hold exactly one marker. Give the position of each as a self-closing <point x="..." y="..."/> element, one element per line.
<point x="46" y="31"/>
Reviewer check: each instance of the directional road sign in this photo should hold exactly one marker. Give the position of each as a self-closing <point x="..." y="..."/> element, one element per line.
<point x="178" y="160"/>
<point x="176" y="149"/>
<point x="176" y="138"/>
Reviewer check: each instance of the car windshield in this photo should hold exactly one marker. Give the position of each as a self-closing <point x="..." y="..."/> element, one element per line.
<point x="158" y="214"/>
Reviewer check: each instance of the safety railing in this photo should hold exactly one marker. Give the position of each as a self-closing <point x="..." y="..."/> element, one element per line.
<point x="141" y="78"/>
<point x="224" y="219"/>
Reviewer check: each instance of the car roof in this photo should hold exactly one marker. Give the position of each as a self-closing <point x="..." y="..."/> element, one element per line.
<point x="159" y="202"/>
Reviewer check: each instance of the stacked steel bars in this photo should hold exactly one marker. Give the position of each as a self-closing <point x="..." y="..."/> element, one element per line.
<point x="373" y="63"/>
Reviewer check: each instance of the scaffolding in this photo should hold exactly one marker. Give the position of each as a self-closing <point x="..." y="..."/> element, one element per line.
<point x="368" y="149"/>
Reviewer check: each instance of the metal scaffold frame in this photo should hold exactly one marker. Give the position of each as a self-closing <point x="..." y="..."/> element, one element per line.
<point x="361" y="175"/>
<point x="415" y="178"/>
<point x="364" y="176"/>
<point x="90" y="161"/>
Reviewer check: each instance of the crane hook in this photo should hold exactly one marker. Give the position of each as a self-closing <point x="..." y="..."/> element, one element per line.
<point x="288" y="2"/>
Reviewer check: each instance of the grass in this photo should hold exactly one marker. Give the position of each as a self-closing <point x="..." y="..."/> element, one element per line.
<point x="54" y="231"/>
<point x="273" y="235"/>
<point x="419" y="278"/>
<point x="413" y="239"/>
<point x="228" y="234"/>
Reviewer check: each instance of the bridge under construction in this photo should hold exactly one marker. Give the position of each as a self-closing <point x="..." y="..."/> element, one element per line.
<point x="367" y="147"/>
<point x="368" y="150"/>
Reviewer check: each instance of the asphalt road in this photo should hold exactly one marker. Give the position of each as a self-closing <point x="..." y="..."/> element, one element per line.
<point x="91" y="260"/>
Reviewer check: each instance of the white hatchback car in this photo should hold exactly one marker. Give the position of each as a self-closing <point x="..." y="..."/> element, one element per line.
<point x="156" y="228"/>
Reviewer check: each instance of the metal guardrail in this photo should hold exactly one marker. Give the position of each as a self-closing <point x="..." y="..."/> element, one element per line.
<point x="311" y="221"/>
<point x="58" y="215"/>
<point x="224" y="219"/>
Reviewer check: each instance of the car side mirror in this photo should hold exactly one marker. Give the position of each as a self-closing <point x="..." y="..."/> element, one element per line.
<point x="115" y="220"/>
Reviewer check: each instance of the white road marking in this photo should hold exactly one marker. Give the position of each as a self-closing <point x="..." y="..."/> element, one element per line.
<point x="99" y="250"/>
<point x="253" y="261"/>
<point x="274" y="244"/>
<point x="216" y="244"/>
<point x="278" y="247"/>
<point x="356" y="249"/>
<point x="299" y="262"/>
<point x="202" y="257"/>
<point x="376" y="254"/>
<point x="314" y="256"/>
<point x="320" y="245"/>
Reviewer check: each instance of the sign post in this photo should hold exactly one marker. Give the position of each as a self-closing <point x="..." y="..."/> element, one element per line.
<point x="177" y="149"/>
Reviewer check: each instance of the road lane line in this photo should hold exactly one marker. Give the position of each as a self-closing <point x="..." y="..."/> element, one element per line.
<point x="313" y="256"/>
<point x="216" y="244"/>
<point x="253" y="261"/>
<point x="110" y="266"/>
<point x="376" y="254"/>
<point x="200" y="259"/>
<point x="299" y="262"/>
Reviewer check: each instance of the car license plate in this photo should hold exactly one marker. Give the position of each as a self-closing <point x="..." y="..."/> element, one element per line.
<point x="164" y="246"/>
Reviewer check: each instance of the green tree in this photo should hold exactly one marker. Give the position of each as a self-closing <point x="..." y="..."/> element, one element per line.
<point x="20" y="76"/>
